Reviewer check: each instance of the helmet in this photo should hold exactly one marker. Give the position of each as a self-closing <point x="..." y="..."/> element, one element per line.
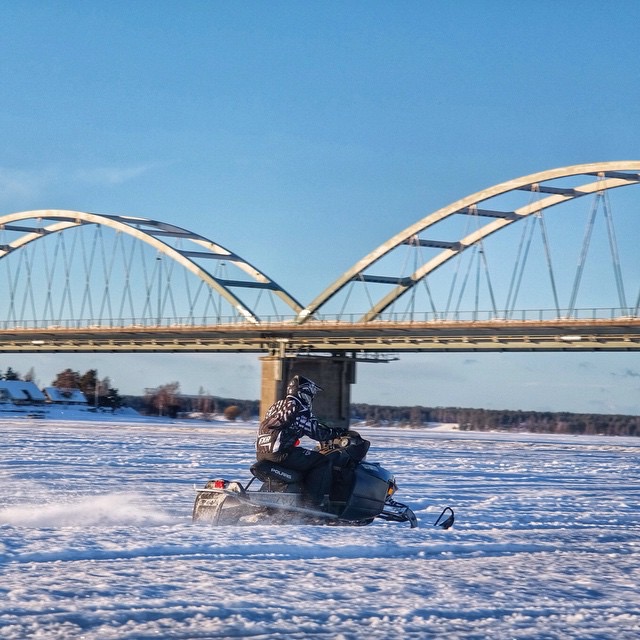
<point x="303" y="389"/>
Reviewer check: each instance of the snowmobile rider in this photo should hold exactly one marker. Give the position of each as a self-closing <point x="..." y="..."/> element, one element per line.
<point x="285" y="422"/>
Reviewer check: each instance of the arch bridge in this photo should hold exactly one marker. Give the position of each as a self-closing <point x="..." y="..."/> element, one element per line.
<point x="562" y="274"/>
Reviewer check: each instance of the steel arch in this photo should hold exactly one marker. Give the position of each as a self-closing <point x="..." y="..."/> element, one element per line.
<point x="149" y="231"/>
<point x="608" y="175"/>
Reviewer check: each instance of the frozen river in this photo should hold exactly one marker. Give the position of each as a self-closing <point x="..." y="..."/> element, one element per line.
<point x="97" y="540"/>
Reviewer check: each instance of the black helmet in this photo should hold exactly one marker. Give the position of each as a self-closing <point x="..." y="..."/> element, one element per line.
<point x="303" y="389"/>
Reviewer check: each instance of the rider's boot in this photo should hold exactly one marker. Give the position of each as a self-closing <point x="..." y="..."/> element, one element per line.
<point x="312" y="502"/>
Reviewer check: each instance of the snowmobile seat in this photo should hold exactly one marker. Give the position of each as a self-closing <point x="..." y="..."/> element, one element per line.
<point x="276" y="477"/>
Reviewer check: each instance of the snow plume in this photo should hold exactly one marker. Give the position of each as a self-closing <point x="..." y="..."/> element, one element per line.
<point x="112" y="509"/>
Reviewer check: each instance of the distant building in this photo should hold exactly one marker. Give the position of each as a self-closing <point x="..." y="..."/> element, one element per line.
<point x="56" y="395"/>
<point x="19" y="392"/>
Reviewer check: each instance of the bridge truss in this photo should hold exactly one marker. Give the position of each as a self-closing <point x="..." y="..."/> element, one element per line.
<point x="76" y="281"/>
<point x="101" y="270"/>
<point x="391" y="278"/>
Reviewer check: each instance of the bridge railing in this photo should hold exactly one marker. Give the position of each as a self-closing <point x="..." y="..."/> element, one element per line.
<point x="521" y="315"/>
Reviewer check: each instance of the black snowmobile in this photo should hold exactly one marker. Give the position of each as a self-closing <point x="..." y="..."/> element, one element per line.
<point x="361" y="491"/>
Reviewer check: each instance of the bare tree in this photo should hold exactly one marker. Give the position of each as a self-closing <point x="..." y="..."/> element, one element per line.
<point x="206" y="404"/>
<point x="164" y="399"/>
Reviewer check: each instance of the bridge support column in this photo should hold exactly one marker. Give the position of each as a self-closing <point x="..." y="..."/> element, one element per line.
<point x="335" y="374"/>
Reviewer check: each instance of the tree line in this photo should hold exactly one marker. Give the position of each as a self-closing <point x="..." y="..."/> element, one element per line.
<point x="164" y="400"/>
<point x="167" y="400"/>
<point x="501" y="420"/>
<point x="99" y="392"/>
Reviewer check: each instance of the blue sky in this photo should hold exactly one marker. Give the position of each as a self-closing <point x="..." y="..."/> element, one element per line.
<point x="304" y="134"/>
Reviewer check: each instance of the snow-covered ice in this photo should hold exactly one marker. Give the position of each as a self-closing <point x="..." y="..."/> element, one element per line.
<point x="97" y="540"/>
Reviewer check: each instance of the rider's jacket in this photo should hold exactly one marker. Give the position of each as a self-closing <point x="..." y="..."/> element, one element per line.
<point x="285" y="423"/>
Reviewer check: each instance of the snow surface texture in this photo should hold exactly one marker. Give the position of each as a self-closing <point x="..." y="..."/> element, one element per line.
<point x="97" y="540"/>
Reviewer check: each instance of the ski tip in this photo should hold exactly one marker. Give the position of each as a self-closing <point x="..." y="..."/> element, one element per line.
<point x="446" y="519"/>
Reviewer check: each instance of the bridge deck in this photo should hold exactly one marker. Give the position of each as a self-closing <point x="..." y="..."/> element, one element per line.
<point x="337" y="337"/>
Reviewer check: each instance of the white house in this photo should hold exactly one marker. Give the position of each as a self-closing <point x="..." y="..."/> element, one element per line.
<point x="20" y="392"/>
<point x="56" y="395"/>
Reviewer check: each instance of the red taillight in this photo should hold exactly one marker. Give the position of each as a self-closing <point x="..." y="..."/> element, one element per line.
<point x="219" y="484"/>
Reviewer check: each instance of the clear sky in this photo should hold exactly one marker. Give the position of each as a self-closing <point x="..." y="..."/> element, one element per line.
<point x="263" y="125"/>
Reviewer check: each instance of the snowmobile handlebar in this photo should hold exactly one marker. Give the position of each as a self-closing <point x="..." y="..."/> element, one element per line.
<point x="350" y="442"/>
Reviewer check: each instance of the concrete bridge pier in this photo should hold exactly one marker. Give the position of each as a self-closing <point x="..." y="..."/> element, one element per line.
<point x="335" y="374"/>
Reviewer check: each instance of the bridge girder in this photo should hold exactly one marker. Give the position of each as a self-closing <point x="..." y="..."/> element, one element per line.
<point x="149" y="231"/>
<point x="609" y="175"/>
<point x="337" y="338"/>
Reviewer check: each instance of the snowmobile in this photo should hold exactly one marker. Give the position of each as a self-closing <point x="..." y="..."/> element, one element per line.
<point x="360" y="492"/>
